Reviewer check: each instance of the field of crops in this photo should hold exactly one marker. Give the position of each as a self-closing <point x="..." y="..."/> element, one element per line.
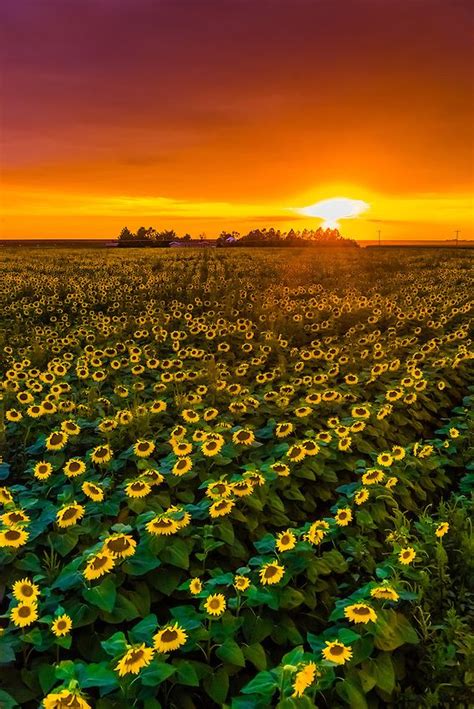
<point x="236" y="479"/>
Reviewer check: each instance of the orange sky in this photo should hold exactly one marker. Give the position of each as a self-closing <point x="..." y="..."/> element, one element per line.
<point x="229" y="113"/>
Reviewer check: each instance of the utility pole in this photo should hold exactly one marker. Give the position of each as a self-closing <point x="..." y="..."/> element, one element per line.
<point x="457" y="237"/>
<point x="378" y="232"/>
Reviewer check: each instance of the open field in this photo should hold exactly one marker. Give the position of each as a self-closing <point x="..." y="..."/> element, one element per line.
<point x="236" y="478"/>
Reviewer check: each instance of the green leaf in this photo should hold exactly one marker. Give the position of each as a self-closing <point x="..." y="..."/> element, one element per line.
<point x="115" y="645"/>
<point x="46" y="677"/>
<point x="264" y="683"/>
<point x="97" y="675"/>
<point x="103" y="596"/>
<point x="176" y="554"/>
<point x="156" y="673"/>
<point x="217" y="686"/>
<point x="229" y="651"/>
<point x="384" y="673"/>
<point x="142" y="631"/>
<point x="352" y="694"/>
<point x="186" y="673"/>
<point x="392" y="630"/>
<point x="256" y="655"/>
<point x="7" y="701"/>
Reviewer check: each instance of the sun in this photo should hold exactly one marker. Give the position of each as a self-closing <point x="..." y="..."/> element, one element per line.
<point x="331" y="210"/>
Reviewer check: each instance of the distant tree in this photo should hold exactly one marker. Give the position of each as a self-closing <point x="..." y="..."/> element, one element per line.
<point x="186" y="237"/>
<point x="166" y="235"/>
<point x="126" y="235"/>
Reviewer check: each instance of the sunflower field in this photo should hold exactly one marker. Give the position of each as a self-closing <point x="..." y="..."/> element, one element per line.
<point x="236" y="479"/>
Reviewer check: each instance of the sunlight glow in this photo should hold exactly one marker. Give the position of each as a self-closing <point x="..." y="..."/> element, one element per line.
<point x="330" y="210"/>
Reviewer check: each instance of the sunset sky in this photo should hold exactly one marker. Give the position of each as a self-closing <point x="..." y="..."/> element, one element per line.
<point x="203" y="115"/>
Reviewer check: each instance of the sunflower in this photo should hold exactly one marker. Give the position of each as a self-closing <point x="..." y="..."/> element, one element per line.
<point x="343" y="517"/>
<point x="154" y="477"/>
<point x="384" y="593"/>
<point x="398" y="453"/>
<point x="5" y="496"/>
<point x="243" y="437"/>
<point x="138" y="488"/>
<point x="406" y="556"/>
<point x="162" y="526"/>
<point x="15" y="517"/>
<point x="14" y="537"/>
<point x="271" y="573"/>
<point x="385" y="459"/>
<point x="190" y="416"/>
<point x="296" y="453"/>
<point x="74" y="467"/>
<point x="70" y="427"/>
<point x="13" y="415"/>
<point x="24" y="614"/>
<point x="215" y="604"/>
<point x="361" y="412"/>
<point x="241" y="583"/>
<point x="304" y="678"/>
<point x="56" y="441"/>
<point x="285" y="541"/>
<point x="242" y="488"/>
<point x="317" y="531"/>
<point x="195" y="586"/>
<point x="143" y="449"/>
<point x="441" y="529"/>
<point x="373" y="476"/>
<point x="182" y="466"/>
<point x="337" y="652"/>
<point x="69" y="515"/>
<point x="283" y="430"/>
<point x="344" y="444"/>
<point x="93" y="491"/>
<point x="220" y="508"/>
<point x="25" y="591"/>
<point x="360" y="613"/>
<point x="134" y="660"/>
<point x="120" y="546"/>
<point x="98" y="565"/>
<point x="42" y="470"/>
<point x="170" y="638"/>
<point x="361" y="496"/>
<point x="212" y="447"/>
<point x="281" y="469"/>
<point x="310" y="447"/>
<point x="61" y="625"/>
<point x="65" y="699"/>
<point x="181" y="448"/>
<point x="101" y="454"/>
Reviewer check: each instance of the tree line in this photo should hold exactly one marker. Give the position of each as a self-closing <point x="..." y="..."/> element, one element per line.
<point x="255" y="237"/>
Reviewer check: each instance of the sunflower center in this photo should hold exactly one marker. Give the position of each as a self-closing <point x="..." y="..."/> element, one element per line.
<point x="26" y="590"/>
<point x="215" y="603"/>
<point x="337" y="650"/>
<point x="143" y="446"/>
<point x="137" y="487"/>
<point x="135" y="656"/>
<point x="69" y="513"/>
<point x="24" y="611"/>
<point x="61" y="625"/>
<point x="101" y="452"/>
<point x="74" y="467"/>
<point x="270" y="572"/>
<point x="119" y="544"/>
<point x="12" y="535"/>
<point x="55" y="439"/>
<point x="16" y="517"/>
<point x="98" y="562"/>
<point x="169" y="636"/>
<point x="361" y="610"/>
